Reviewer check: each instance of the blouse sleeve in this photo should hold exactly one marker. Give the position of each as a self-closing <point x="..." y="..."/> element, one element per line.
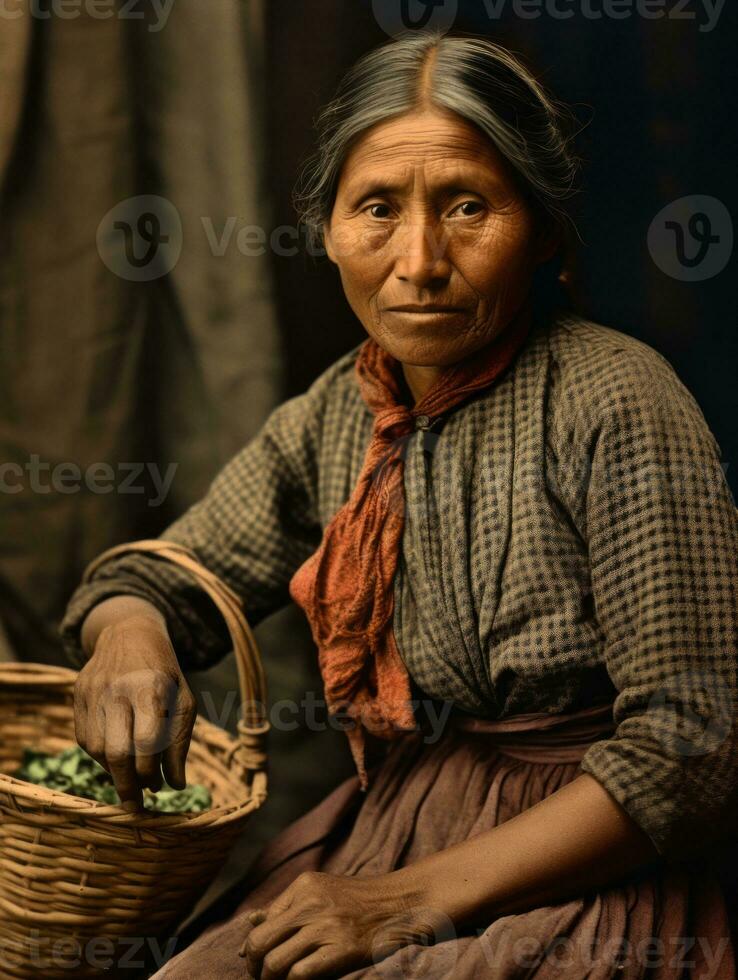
<point x="254" y="527"/>
<point x="662" y="533"/>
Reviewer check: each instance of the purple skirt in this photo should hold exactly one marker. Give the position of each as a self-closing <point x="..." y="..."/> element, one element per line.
<point x="670" y="922"/>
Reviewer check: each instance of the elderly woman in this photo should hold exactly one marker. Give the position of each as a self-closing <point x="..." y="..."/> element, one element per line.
<point x="490" y="505"/>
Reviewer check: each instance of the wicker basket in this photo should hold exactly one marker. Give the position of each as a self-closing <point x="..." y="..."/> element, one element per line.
<point x="74" y="871"/>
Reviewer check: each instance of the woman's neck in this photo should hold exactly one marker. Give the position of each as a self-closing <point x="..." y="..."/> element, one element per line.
<point x="420" y="379"/>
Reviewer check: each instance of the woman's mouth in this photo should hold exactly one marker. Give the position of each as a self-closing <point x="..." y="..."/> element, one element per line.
<point x="426" y="308"/>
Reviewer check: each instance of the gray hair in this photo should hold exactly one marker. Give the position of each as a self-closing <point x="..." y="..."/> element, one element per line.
<point x="469" y="75"/>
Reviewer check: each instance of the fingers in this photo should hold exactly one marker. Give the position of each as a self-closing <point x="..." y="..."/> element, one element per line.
<point x="89" y="724"/>
<point x="299" y="950"/>
<point x="80" y="720"/>
<point x="135" y="726"/>
<point x="149" y="731"/>
<point x="179" y="733"/>
<point x="277" y="963"/>
<point x="324" y="961"/>
<point x="275" y="945"/>
<point x="275" y="926"/>
<point x="256" y="917"/>
<point x="134" y="712"/>
<point x="119" y="754"/>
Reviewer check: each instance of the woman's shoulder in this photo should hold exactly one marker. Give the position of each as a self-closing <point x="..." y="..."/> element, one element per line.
<point x="587" y="349"/>
<point x="604" y="370"/>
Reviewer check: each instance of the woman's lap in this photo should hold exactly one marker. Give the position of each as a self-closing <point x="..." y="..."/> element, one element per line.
<point x="669" y="923"/>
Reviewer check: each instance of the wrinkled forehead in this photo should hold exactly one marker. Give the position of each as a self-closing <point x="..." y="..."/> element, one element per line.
<point x="433" y="149"/>
<point x="422" y="146"/>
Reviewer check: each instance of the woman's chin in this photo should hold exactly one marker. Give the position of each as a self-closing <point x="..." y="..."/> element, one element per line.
<point x="427" y="355"/>
<point x="423" y="347"/>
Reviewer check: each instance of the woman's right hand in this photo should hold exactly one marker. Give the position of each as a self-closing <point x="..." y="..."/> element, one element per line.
<point x="133" y="709"/>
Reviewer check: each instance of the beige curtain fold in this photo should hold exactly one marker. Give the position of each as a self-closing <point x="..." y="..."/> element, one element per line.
<point x="170" y="374"/>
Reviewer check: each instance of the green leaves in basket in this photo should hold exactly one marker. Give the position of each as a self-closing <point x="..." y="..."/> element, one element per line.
<point x="74" y="771"/>
<point x="191" y="799"/>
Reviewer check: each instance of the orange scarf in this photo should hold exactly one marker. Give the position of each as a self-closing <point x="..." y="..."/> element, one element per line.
<point x="346" y="586"/>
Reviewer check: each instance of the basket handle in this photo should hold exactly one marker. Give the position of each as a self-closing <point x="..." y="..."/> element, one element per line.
<point x="253" y="726"/>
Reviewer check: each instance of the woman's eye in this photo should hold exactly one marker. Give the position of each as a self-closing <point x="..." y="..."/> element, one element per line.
<point x="469" y="208"/>
<point x="379" y="210"/>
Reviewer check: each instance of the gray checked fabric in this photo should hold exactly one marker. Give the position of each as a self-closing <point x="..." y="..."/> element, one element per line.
<point x="570" y="537"/>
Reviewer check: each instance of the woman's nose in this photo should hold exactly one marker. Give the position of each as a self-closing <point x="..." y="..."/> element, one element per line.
<point x="421" y="256"/>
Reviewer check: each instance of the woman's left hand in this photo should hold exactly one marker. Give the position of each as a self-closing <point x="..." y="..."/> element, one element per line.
<point x="327" y="925"/>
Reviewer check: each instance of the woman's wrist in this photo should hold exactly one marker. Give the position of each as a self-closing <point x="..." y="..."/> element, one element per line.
<point x="439" y="882"/>
<point x="114" y="611"/>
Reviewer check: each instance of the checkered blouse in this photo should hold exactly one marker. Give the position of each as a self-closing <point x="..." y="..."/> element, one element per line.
<point x="570" y="536"/>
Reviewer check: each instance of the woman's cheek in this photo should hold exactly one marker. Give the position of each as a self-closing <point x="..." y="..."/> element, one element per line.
<point x="371" y="260"/>
<point x="374" y="242"/>
<point x="497" y="251"/>
<point x="343" y="242"/>
<point x="361" y="284"/>
<point x="355" y="240"/>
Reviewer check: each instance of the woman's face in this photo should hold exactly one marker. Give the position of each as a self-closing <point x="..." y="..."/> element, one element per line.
<point x="435" y="244"/>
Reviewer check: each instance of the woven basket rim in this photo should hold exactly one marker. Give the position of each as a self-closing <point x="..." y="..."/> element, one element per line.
<point x="58" y="802"/>
<point x="54" y="801"/>
<point x="58" y="675"/>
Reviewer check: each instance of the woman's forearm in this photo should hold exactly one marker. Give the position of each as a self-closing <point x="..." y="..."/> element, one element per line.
<point x="575" y="840"/>
<point x="114" y="610"/>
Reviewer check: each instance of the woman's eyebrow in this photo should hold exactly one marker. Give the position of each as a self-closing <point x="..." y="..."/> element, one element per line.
<point x="366" y="188"/>
<point x="447" y="186"/>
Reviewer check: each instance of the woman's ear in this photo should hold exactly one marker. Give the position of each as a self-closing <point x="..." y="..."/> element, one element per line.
<point x="327" y="241"/>
<point x="548" y="241"/>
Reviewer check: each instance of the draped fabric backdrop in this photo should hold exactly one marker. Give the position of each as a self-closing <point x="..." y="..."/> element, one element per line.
<point x="178" y="371"/>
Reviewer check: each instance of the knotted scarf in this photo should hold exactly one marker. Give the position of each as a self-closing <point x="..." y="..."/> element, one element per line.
<point x="346" y="587"/>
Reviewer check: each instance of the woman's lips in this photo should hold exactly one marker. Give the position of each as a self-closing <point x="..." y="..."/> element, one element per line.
<point x="425" y="308"/>
<point x="426" y="312"/>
